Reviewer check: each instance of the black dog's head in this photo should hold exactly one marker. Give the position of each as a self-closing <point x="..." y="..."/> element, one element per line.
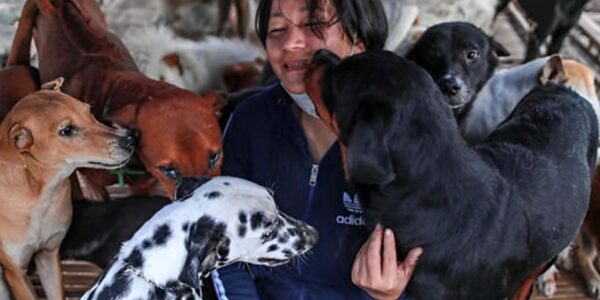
<point x="377" y="102"/>
<point x="460" y="57"/>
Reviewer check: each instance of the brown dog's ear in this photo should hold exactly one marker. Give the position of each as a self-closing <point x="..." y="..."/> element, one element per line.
<point x="216" y="100"/>
<point x="240" y="76"/>
<point x="553" y="71"/>
<point x="53" y="85"/>
<point x="125" y="116"/>
<point x="19" y="139"/>
<point x="172" y="60"/>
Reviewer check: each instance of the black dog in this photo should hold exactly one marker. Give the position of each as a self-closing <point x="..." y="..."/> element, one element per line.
<point x="553" y="18"/>
<point x="460" y="57"/>
<point x="99" y="229"/>
<point x="486" y="216"/>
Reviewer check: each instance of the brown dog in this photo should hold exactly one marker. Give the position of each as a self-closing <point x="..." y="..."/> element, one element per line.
<point x="179" y="132"/>
<point x="43" y="139"/>
<point x="588" y="252"/>
<point x="584" y="255"/>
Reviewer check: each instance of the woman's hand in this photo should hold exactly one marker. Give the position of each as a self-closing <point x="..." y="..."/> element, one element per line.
<point x="383" y="277"/>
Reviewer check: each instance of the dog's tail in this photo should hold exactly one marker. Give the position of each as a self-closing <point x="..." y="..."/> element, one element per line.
<point x="20" y="52"/>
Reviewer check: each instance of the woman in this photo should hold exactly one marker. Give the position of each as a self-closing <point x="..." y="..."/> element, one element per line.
<point x="276" y="139"/>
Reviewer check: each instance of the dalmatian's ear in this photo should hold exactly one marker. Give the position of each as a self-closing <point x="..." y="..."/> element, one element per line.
<point x="185" y="187"/>
<point x="201" y="260"/>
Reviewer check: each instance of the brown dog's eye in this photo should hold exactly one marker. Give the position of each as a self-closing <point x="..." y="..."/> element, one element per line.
<point x="68" y="130"/>
<point x="472" y="55"/>
<point x="213" y="159"/>
<point x="170" y="171"/>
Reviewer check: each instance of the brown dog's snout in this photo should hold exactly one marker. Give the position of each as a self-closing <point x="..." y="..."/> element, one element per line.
<point x="129" y="140"/>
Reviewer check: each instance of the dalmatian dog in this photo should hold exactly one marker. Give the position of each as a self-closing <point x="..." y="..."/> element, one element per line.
<point x="210" y="224"/>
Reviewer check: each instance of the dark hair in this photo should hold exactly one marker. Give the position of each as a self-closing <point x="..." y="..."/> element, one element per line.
<point x="363" y="19"/>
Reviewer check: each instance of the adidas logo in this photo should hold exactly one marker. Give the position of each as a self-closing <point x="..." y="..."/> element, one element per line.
<point x="352" y="204"/>
<point x="350" y="220"/>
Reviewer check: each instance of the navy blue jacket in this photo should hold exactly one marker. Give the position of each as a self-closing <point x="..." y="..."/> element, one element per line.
<point x="264" y="142"/>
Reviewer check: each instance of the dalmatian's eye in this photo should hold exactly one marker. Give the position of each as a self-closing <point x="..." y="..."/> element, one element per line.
<point x="271" y="231"/>
<point x="170" y="171"/>
<point x="269" y="235"/>
<point x="472" y="55"/>
<point x="213" y="159"/>
<point x="68" y="130"/>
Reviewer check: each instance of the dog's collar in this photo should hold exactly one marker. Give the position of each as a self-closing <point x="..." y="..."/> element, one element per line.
<point x="123" y="171"/>
<point x="175" y="286"/>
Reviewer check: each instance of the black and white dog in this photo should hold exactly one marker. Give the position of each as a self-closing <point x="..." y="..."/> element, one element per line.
<point x="210" y="225"/>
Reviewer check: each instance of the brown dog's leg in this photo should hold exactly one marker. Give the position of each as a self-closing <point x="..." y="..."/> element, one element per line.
<point x="46" y="7"/>
<point x="584" y="257"/>
<point x="47" y="263"/>
<point x="20" y="52"/>
<point x="223" y="19"/>
<point x="16" y="278"/>
<point x="241" y="9"/>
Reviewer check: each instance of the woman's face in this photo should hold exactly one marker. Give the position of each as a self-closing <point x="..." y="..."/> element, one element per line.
<point x="291" y="43"/>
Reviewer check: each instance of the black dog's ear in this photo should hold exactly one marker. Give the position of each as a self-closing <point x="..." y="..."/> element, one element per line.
<point x="186" y="186"/>
<point x="498" y="48"/>
<point x="326" y="58"/>
<point x="368" y="156"/>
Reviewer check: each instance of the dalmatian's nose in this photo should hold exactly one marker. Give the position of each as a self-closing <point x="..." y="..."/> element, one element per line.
<point x="310" y="236"/>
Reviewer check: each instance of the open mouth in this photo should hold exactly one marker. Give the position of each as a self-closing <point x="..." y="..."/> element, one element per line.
<point x="457" y="106"/>
<point x="296" y="66"/>
<point x="272" y="261"/>
<point x="106" y="165"/>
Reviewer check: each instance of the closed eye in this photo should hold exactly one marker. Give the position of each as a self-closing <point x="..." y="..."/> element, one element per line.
<point x="271" y="232"/>
<point x="170" y="171"/>
<point x="276" y="32"/>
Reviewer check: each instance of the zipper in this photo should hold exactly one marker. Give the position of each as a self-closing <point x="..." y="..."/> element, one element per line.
<point x="312" y="183"/>
<point x="314" y="173"/>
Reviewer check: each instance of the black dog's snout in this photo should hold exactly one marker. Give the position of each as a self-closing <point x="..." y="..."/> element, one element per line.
<point x="450" y="85"/>
<point x="129" y="140"/>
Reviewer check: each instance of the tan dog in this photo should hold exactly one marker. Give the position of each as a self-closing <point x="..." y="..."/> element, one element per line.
<point x="586" y="249"/>
<point x="43" y="139"/>
<point x="179" y="132"/>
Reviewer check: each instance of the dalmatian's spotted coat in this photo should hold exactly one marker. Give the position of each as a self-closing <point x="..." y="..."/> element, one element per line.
<point x="210" y="225"/>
